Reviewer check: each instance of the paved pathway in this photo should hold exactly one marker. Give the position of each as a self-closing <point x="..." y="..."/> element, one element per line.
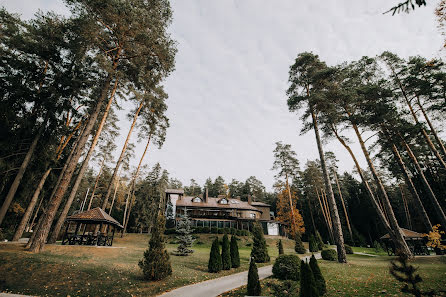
<point x="215" y="287"/>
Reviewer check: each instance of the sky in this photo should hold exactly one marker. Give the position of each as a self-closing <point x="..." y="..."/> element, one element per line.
<point x="227" y="100"/>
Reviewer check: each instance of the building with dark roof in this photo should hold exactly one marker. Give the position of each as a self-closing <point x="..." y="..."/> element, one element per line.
<point x="221" y="212"/>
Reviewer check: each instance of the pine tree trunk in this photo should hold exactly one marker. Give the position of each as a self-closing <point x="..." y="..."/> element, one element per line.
<point x="324" y="214"/>
<point x="293" y="218"/>
<point x="426" y="185"/>
<point x="406" y="208"/>
<point x="96" y="184"/>
<point x="412" y="189"/>
<point x="121" y="157"/>
<point x="398" y="237"/>
<point x="311" y="215"/>
<point x="18" y="178"/>
<point x="337" y="229"/>
<point x="29" y="210"/>
<point x="84" y="167"/>
<point x="42" y="234"/>
<point x="343" y="206"/>
<point x="114" y="195"/>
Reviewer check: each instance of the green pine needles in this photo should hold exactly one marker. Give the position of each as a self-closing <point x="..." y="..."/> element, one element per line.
<point x="225" y="254"/>
<point x="320" y="242"/>
<point x="155" y="264"/>
<point x="215" y="262"/>
<point x="280" y="246"/>
<point x="235" y="256"/>
<point x="185" y="238"/>
<point x="318" y="277"/>
<point x="307" y="282"/>
<point x="298" y="245"/>
<point x="313" y="244"/>
<point x="259" y="248"/>
<point x="254" y="288"/>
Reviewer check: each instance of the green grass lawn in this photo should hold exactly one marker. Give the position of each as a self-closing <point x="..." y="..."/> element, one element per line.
<point x="368" y="276"/>
<point x="92" y="271"/>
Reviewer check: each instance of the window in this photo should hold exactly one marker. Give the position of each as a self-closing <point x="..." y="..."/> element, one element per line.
<point x="253" y="215"/>
<point x="223" y="201"/>
<point x="196" y="199"/>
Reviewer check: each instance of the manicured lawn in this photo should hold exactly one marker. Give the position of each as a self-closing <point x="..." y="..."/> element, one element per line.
<point x="368" y="276"/>
<point x="93" y="271"/>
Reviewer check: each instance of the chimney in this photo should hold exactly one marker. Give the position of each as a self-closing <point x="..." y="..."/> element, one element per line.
<point x="249" y="199"/>
<point x="205" y="196"/>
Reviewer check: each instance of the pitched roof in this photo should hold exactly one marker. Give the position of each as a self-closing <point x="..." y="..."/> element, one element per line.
<point x="258" y="203"/>
<point x="96" y="215"/>
<point x="407" y="234"/>
<point x="174" y="191"/>
<point x="213" y="203"/>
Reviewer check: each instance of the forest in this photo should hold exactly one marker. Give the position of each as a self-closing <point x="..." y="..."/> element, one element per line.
<point x="65" y="79"/>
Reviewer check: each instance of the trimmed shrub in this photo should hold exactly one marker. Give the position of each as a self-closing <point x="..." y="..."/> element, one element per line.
<point x="226" y="230"/>
<point x="313" y="244"/>
<point x="214" y="230"/>
<point x="155" y="263"/>
<point x="220" y="231"/>
<point x="246" y="233"/>
<point x="225" y="253"/>
<point x="348" y="249"/>
<point x="259" y="248"/>
<point x="238" y="232"/>
<point x="318" y="277"/>
<point x="285" y="288"/>
<point x="254" y="288"/>
<point x="298" y="245"/>
<point x="287" y="267"/>
<point x="232" y="231"/>
<point x="280" y="246"/>
<point x="320" y="242"/>
<point x="215" y="263"/>
<point x="206" y="229"/>
<point x="329" y="254"/>
<point x="307" y="283"/>
<point x="235" y="256"/>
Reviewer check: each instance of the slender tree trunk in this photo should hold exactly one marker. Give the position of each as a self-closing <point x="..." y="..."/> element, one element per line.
<point x="42" y="234"/>
<point x="96" y="183"/>
<point x="426" y="185"/>
<point x="31" y="224"/>
<point x="125" y="209"/>
<point x="84" y="167"/>
<point x="406" y="208"/>
<point x="400" y="244"/>
<point x="327" y="209"/>
<point x="396" y="237"/>
<point x="337" y="229"/>
<point x="18" y="178"/>
<point x="311" y="215"/>
<point x="114" y="195"/>
<point x="293" y="218"/>
<point x="434" y="132"/>
<point x="412" y="189"/>
<point x="121" y="157"/>
<point x="330" y="231"/>
<point x="26" y="216"/>
<point x="343" y="206"/>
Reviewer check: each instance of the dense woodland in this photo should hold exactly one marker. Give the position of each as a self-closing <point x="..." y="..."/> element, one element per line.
<point x="65" y="79"/>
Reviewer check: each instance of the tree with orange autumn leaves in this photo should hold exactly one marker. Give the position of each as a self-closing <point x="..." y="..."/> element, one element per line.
<point x="284" y="213"/>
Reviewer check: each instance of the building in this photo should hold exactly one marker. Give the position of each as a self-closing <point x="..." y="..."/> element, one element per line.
<point x="221" y="212"/>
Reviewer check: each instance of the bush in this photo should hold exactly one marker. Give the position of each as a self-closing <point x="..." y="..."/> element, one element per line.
<point x="307" y="282"/>
<point x="198" y="229"/>
<point x="235" y="256"/>
<point x="280" y="246"/>
<point x="378" y="248"/>
<point x="320" y="242"/>
<point x="254" y="288"/>
<point x="318" y="277"/>
<point x="286" y="288"/>
<point x="226" y="230"/>
<point x="215" y="263"/>
<point x="313" y="244"/>
<point x="199" y="243"/>
<point x="348" y="249"/>
<point x="259" y="248"/>
<point x="232" y="231"/>
<point x="287" y="267"/>
<point x="238" y="232"/>
<point x="248" y="244"/>
<point x="214" y="230"/>
<point x="170" y="231"/>
<point x="298" y="245"/>
<point x="220" y="231"/>
<point x="329" y="254"/>
<point x="206" y="230"/>
<point x="225" y="253"/>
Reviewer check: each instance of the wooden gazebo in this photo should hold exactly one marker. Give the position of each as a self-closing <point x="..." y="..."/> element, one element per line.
<point x="91" y="227"/>
<point x="416" y="242"/>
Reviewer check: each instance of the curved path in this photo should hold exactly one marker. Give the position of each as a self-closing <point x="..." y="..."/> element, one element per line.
<point x="217" y="286"/>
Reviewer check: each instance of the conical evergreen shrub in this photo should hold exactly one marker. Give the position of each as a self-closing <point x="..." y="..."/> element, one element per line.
<point x="318" y="277"/>
<point x="313" y="244"/>
<point x="320" y="242"/>
<point x="225" y="253"/>
<point x="155" y="263"/>
<point x="298" y="245"/>
<point x="280" y="247"/>
<point x="235" y="256"/>
<point x="215" y="263"/>
<point x="254" y="288"/>
<point x="307" y="283"/>
<point x="259" y="248"/>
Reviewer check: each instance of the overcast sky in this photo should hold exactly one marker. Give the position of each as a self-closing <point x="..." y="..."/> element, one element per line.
<point x="227" y="101"/>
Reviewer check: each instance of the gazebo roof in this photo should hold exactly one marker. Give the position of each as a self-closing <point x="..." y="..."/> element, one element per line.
<point x="407" y="234"/>
<point x="95" y="215"/>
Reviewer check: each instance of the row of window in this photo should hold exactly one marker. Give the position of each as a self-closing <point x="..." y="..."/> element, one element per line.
<point x="221" y="201"/>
